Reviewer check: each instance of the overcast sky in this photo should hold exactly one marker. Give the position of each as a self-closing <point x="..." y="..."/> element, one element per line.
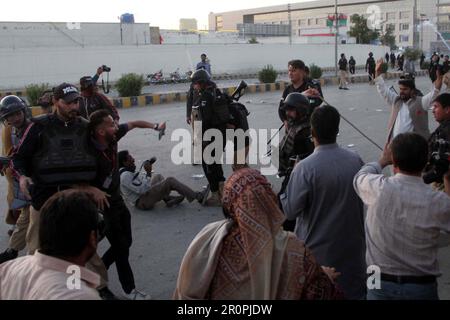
<point x="162" y="13"/>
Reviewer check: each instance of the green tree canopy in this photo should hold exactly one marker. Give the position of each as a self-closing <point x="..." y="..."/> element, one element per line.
<point x="361" y="31"/>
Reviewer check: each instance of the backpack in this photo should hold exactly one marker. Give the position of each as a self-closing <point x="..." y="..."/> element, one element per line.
<point x="221" y="112"/>
<point x="239" y="114"/>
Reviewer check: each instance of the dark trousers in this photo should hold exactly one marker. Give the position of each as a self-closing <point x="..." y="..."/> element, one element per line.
<point x="118" y="232"/>
<point x="288" y="225"/>
<point x="352" y="69"/>
<point x="214" y="171"/>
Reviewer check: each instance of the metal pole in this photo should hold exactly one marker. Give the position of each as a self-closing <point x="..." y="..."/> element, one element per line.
<point x="290" y="24"/>
<point x="415" y="44"/>
<point x="336" y="39"/>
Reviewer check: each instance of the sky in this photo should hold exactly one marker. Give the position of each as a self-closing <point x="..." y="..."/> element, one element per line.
<point x="162" y="13"/>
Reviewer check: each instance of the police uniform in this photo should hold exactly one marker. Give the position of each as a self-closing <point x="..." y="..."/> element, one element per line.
<point x="442" y="132"/>
<point x="296" y="143"/>
<point x="204" y="102"/>
<point x="307" y="84"/>
<point x="56" y="155"/>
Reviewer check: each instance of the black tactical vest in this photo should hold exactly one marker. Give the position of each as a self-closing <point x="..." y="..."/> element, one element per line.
<point x="64" y="157"/>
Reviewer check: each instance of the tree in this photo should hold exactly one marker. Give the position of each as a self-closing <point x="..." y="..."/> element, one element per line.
<point x="253" y="40"/>
<point x="412" y="54"/>
<point x="361" y="31"/>
<point x="388" y="39"/>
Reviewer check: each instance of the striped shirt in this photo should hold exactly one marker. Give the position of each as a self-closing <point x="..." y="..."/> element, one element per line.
<point x="404" y="220"/>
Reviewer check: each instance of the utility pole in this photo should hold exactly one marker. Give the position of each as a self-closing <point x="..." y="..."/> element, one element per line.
<point x="415" y="44"/>
<point x="337" y="36"/>
<point x="290" y="24"/>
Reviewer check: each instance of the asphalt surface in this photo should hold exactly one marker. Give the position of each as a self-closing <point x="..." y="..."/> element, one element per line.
<point x="161" y="236"/>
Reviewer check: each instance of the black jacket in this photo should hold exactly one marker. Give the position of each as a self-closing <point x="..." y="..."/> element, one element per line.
<point x="314" y="102"/>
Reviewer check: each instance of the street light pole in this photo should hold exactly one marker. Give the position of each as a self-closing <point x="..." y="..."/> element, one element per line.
<point x="336" y="38"/>
<point x="290" y="24"/>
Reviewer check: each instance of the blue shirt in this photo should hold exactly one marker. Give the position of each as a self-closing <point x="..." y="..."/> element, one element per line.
<point x="329" y="213"/>
<point x="204" y="65"/>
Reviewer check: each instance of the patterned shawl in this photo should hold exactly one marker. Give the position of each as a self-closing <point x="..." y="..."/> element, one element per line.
<point x="250" y="256"/>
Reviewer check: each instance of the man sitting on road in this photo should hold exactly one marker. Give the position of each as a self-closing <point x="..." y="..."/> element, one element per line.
<point x="144" y="191"/>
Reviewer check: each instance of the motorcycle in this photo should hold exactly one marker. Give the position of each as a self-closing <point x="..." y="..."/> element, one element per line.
<point x="175" y="76"/>
<point x="155" y="78"/>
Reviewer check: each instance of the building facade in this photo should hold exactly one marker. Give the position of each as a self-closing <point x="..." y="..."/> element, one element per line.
<point x="413" y="22"/>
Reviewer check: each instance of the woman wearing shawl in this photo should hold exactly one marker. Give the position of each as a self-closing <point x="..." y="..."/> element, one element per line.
<point x="248" y="255"/>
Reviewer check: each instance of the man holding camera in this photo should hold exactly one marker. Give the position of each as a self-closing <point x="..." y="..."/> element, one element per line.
<point x="144" y="191"/>
<point x="404" y="221"/>
<point x="409" y="111"/>
<point x="92" y="100"/>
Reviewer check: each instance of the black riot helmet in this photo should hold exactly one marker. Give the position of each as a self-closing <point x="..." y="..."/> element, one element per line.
<point x="298" y="102"/>
<point x="200" y="76"/>
<point x="11" y="104"/>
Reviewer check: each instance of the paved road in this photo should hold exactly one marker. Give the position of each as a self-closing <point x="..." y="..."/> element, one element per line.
<point x="161" y="236"/>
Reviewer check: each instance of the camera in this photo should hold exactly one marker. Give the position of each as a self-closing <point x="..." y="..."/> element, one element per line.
<point x="150" y="161"/>
<point x="106" y="68"/>
<point x="439" y="161"/>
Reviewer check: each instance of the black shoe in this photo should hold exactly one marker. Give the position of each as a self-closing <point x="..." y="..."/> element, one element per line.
<point x="202" y="195"/>
<point x="346" y="88"/>
<point x="106" y="294"/>
<point x="174" y="201"/>
<point x="8" y="254"/>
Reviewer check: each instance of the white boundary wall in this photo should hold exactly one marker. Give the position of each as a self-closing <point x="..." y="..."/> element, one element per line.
<point x="21" y="67"/>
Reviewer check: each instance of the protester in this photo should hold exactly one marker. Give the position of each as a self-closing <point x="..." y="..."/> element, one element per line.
<point x="404" y="221"/>
<point x="329" y="214"/>
<point x="248" y="255"/>
<point x="68" y="240"/>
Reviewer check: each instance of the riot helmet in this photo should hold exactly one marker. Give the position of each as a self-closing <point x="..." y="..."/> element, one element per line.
<point x="11" y="104"/>
<point x="298" y="102"/>
<point x="200" y="76"/>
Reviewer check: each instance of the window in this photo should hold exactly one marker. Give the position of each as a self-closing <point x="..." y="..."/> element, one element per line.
<point x="404" y="26"/>
<point x="404" y="38"/>
<point x="322" y="22"/>
<point x="310" y="22"/>
<point x="404" y="15"/>
<point x="390" y="26"/>
<point x="390" y="16"/>
<point x="219" y="23"/>
<point x="302" y="22"/>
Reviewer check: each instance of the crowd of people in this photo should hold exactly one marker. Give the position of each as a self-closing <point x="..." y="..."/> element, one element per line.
<point x="70" y="186"/>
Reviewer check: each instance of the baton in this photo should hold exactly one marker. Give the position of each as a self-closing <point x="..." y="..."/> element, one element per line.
<point x="353" y="126"/>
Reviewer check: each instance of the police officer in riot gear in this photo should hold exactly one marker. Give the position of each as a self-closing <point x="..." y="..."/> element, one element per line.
<point x="210" y="107"/>
<point x="55" y="155"/>
<point x="300" y="83"/>
<point x="13" y="112"/>
<point x="296" y="144"/>
<point x="439" y="142"/>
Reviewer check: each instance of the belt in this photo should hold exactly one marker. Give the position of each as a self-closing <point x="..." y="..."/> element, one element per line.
<point x="408" y="279"/>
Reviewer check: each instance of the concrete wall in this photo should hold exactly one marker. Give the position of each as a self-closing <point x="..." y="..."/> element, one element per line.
<point x="61" y="34"/>
<point x="21" y="67"/>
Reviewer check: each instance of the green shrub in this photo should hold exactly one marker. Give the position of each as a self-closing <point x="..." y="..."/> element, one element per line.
<point x="268" y="74"/>
<point x="130" y="85"/>
<point x="412" y="54"/>
<point x="253" y="40"/>
<point x="315" y="72"/>
<point x="35" y="91"/>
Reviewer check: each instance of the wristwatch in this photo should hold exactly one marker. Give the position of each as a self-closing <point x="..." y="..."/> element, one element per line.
<point x="156" y="126"/>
